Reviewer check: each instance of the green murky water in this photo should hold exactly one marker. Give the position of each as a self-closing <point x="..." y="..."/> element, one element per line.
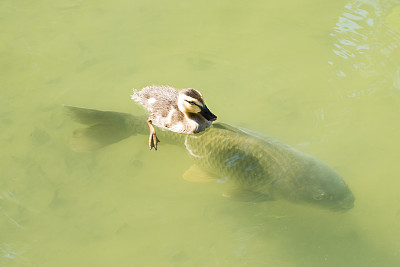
<point x="322" y="76"/>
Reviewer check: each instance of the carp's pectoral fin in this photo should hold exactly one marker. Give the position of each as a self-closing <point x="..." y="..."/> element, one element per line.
<point x="245" y="195"/>
<point x="95" y="137"/>
<point x="198" y="175"/>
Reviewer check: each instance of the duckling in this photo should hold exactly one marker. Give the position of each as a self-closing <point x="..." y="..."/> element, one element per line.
<point x="182" y="111"/>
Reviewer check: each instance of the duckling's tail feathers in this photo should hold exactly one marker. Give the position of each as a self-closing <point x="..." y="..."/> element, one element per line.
<point x="104" y="127"/>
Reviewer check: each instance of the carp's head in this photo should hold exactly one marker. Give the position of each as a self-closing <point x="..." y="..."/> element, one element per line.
<point x="318" y="185"/>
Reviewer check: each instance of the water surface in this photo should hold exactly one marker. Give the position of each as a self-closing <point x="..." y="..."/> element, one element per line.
<point x="322" y="76"/>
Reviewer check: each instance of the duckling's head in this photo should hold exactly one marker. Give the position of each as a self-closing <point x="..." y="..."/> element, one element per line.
<point x="191" y="101"/>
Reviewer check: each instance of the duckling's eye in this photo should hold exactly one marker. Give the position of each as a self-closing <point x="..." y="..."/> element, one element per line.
<point x="190" y="102"/>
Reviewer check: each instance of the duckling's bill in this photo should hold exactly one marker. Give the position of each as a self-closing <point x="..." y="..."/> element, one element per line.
<point x="207" y="114"/>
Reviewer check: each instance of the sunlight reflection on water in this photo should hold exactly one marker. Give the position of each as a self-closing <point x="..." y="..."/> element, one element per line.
<point x="261" y="66"/>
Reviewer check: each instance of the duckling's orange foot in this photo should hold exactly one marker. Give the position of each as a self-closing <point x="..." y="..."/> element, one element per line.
<point x="153" y="141"/>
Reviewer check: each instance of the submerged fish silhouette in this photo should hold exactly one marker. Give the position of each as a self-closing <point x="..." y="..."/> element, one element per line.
<point x="257" y="164"/>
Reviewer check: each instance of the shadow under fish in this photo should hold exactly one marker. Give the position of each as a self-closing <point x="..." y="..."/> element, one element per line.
<point x="258" y="165"/>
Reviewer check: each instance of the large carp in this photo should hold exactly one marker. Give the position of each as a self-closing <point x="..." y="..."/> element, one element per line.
<point x="255" y="163"/>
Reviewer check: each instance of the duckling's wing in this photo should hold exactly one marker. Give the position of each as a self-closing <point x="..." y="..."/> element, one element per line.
<point x="156" y="98"/>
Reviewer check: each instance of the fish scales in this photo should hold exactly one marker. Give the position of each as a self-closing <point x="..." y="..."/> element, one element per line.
<point x="259" y="164"/>
<point x="251" y="162"/>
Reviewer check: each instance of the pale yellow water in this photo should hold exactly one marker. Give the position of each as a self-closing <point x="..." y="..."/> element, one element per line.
<point x="322" y="76"/>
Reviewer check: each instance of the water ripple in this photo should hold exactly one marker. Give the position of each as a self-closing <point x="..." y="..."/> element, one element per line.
<point x="365" y="46"/>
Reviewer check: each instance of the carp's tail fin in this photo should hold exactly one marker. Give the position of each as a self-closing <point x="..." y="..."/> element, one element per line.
<point x="103" y="127"/>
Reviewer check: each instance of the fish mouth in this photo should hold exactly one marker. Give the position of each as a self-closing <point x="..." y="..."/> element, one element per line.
<point x="343" y="208"/>
<point x="344" y="205"/>
<point x="207" y="114"/>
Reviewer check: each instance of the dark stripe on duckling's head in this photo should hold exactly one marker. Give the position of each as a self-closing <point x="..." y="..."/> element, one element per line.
<point x="193" y="94"/>
<point x="191" y="101"/>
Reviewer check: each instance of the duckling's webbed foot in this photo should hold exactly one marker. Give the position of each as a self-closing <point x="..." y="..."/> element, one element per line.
<point x="153" y="140"/>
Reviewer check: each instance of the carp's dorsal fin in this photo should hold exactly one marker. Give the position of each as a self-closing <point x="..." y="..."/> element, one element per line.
<point x="199" y="175"/>
<point x="245" y="132"/>
<point x="225" y="126"/>
<point x="245" y="195"/>
<point x="235" y="129"/>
